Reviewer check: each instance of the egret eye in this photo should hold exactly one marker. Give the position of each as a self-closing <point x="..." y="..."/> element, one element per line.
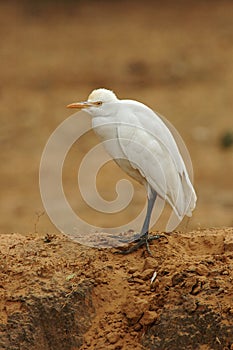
<point x="98" y="103"/>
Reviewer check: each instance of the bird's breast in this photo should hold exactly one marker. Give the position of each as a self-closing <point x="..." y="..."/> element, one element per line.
<point x="107" y="131"/>
<point x="105" y="128"/>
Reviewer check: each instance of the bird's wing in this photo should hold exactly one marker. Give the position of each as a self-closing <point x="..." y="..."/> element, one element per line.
<point x="150" y="147"/>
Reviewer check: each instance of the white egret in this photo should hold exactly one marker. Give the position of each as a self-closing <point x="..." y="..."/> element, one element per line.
<point x="143" y="146"/>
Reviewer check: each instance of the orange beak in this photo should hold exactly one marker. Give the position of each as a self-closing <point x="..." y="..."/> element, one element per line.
<point x="80" y="105"/>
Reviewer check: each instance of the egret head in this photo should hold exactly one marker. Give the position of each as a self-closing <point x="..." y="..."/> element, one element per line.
<point x="102" y="95"/>
<point x="96" y="100"/>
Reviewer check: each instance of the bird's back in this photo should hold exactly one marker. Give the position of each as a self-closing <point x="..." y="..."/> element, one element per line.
<point x="149" y="152"/>
<point x="159" y="159"/>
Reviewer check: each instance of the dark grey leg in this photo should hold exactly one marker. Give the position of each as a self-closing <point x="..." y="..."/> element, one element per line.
<point x="150" y="205"/>
<point x="143" y="238"/>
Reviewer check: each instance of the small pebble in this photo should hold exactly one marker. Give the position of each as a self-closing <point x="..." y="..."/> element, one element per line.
<point x="132" y="270"/>
<point x="202" y="270"/>
<point x="150" y="263"/>
<point x="113" y="338"/>
<point x="225" y="272"/>
<point x="149" y="317"/>
<point x="137" y="327"/>
<point x="44" y="253"/>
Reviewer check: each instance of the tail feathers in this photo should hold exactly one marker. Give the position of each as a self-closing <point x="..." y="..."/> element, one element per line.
<point x="182" y="198"/>
<point x="186" y="197"/>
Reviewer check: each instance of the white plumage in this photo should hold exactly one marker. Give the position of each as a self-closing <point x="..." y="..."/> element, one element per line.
<point x="143" y="146"/>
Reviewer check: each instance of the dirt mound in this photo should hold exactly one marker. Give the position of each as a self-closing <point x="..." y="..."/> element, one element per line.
<point x="56" y="294"/>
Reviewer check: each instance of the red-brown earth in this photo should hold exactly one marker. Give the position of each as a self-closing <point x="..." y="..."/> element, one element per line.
<point x="56" y="294"/>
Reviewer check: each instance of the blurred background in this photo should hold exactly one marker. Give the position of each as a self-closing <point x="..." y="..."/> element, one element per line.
<point x="175" y="56"/>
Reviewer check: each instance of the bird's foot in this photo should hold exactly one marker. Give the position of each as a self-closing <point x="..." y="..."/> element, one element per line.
<point x="135" y="238"/>
<point x="139" y="242"/>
